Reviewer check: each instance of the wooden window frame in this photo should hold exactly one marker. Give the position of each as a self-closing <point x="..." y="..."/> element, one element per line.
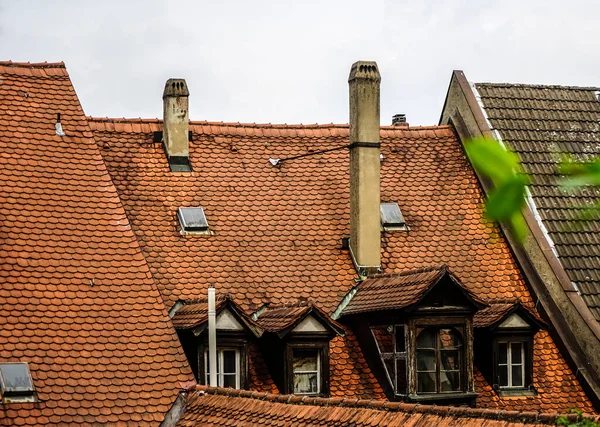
<point x="463" y="324"/>
<point x="220" y="363"/>
<point x="225" y="343"/>
<point x="322" y="348"/>
<point x="396" y="355"/>
<point x="438" y="360"/>
<point x="526" y="339"/>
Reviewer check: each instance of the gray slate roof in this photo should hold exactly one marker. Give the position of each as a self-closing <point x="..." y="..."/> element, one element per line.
<point x="541" y="123"/>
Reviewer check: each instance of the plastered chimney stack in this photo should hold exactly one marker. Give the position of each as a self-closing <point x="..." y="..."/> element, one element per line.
<point x="365" y="231"/>
<point x="176" y="120"/>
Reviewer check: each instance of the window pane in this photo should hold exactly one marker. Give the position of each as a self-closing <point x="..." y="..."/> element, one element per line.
<point x="305" y="360"/>
<point x="515" y="356"/>
<point x="450" y="381"/>
<point x="502" y="353"/>
<point x="426" y="360"/>
<point x="502" y="375"/>
<point x="450" y="360"/>
<point x="385" y="338"/>
<point x="229" y="381"/>
<point x="400" y="346"/>
<point x="305" y="383"/>
<point x="391" y="370"/>
<point x="449" y="339"/>
<point x="426" y="339"/>
<point x="426" y="382"/>
<point x="16" y="377"/>
<point x="229" y="365"/>
<point x="517" y="372"/>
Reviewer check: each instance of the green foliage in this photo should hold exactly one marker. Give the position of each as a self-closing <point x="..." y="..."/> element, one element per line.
<point x="580" y="421"/>
<point x="579" y="173"/>
<point x="505" y="202"/>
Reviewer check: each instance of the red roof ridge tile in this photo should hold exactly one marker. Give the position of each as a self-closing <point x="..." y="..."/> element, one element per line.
<point x="517" y="416"/>
<point x="60" y="64"/>
<point x="262" y="125"/>
<point x="427" y="269"/>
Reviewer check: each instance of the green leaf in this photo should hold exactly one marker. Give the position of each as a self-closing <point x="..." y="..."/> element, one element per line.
<point x="491" y="159"/>
<point x="506" y="199"/>
<point x="580" y="173"/>
<point x="517" y="223"/>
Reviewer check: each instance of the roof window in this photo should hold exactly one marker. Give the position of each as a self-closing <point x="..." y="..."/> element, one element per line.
<point x="16" y="383"/>
<point x="192" y="220"/>
<point x="391" y="217"/>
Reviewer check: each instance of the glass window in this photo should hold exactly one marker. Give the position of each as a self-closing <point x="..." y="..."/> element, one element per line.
<point x="391" y="345"/>
<point x="307" y="371"/>
<point x="192" y="219"/>
<point x="439" y="360"/>
<point x="511" y="368"/>
<point x="15" y="378"/>
<point x="228" y="367"/>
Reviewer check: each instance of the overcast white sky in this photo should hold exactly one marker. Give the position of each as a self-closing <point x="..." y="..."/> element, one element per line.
<point x="288" y="61"/>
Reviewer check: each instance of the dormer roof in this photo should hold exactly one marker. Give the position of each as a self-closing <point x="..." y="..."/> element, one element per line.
<point x="285" y="319"/>
<point x="193" y="314"/>
<point x="405" y="290"/>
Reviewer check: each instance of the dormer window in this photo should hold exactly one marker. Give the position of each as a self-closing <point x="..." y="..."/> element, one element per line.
<point x="296" y="347"/>
<point x="236" y="334"/>
<point x="505" y="335"/>
<point x="439" y="360"/>
<point x="421" y="324"/>
<point x="192" y="220"/>
<point x="391" y="217"/>
<point x="306" y="367"/>
<point x="16" y="384"/>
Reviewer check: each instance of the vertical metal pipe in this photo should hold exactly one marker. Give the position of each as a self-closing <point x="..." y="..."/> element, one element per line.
<point x="212" y="336"/>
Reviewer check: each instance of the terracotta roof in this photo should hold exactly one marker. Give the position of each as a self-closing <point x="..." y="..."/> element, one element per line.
<point x="280" y="318"/>
<point x="278" y="230"/>
<point x="194" y="312"/>
<point x="542" y="123"/>
<point x="228" y="407"/>
<point x="78" y="301"/>
<point x="498" y="311"/>
<point x="396" y="291"/>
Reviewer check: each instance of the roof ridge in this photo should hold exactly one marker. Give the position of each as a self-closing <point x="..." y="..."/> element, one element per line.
<point x="536" y="86"/>
<point x="381" y="405"/>
<point x="44" y="64"/>
<point x="258" y="125"/>
<point x="433" y="267"/>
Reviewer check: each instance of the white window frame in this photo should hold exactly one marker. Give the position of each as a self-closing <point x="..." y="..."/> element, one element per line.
<point x="220" y="363"/>
<point x="509" y="364"/>
<point x="318" y="371"/>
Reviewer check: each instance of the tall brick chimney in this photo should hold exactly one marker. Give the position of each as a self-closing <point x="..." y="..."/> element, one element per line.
<point x="176" y="122"/>
<point x="365" y="232"/>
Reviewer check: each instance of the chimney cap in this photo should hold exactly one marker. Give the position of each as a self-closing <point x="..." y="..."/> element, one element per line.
<point x="176" y="87"/>
<point x="398" y="118"/>
<point x="367" y="70"/>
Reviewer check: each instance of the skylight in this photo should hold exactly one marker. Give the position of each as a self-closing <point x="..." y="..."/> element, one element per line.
<point x="391" y="217"/>
<point x="15" y="382"/>
<point x="192" y="220"/>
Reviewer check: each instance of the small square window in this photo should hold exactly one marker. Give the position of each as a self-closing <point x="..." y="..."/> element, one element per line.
<point x="511" y="364"/>
<point x="306" y="371"/>
<point x="228" y="367"/>
<point x="15" y="382"/>
<point x="192" y="219"/>
<point x="391" y="217"/>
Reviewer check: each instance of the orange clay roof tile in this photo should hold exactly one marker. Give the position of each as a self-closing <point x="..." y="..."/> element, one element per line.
<point x="227" y="407"/>
<point x="278" y="230"/>
<point x="79" y="304"/>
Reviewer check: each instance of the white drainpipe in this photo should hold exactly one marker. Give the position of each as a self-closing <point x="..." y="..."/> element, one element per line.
<point x="212" y="336"/>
